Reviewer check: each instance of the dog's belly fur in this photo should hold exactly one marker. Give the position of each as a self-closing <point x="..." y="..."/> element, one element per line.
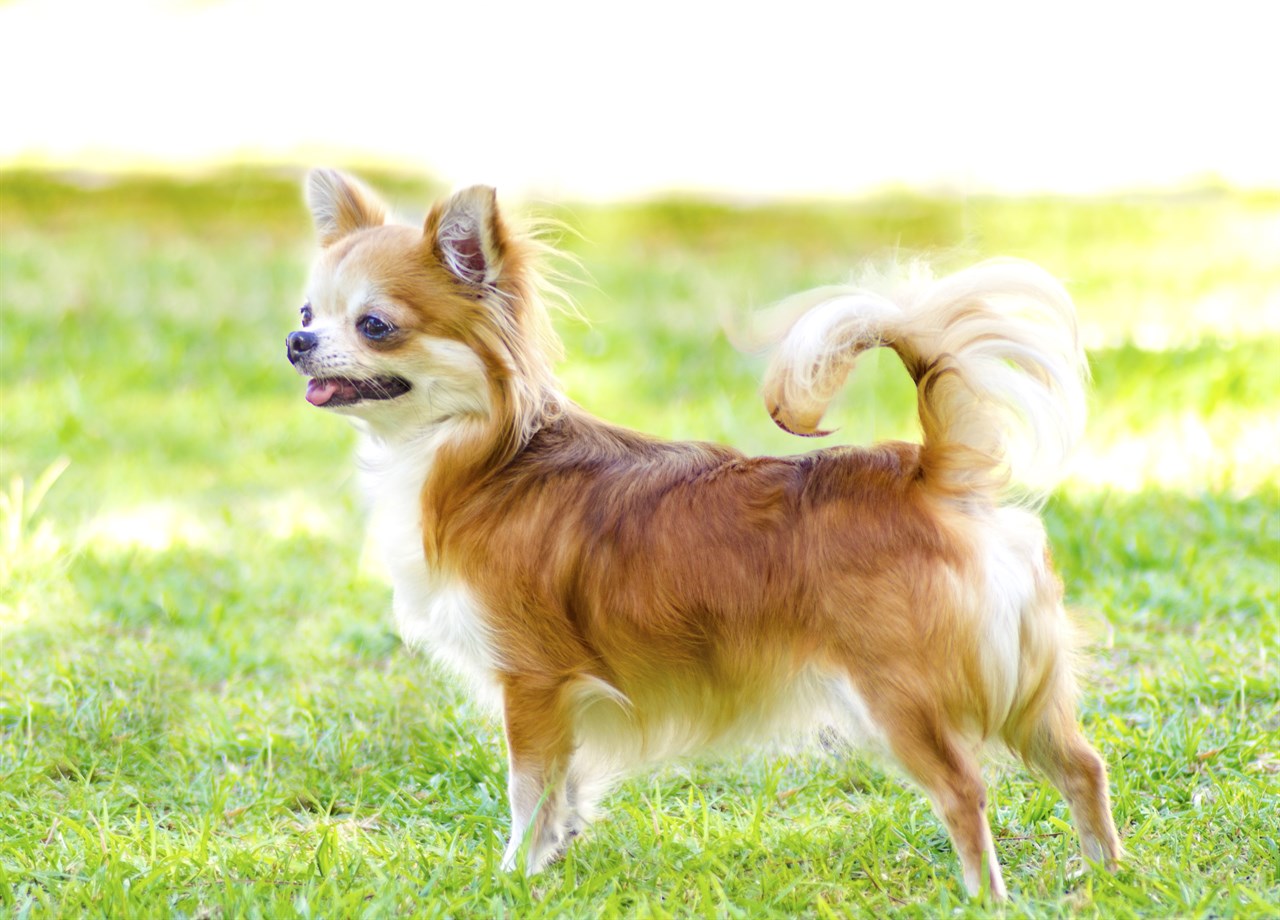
<point x="617" y="734"/>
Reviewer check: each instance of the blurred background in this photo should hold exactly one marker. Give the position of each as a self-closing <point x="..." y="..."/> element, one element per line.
<point x="705" y="160"/>
<point x="580" y="100"/>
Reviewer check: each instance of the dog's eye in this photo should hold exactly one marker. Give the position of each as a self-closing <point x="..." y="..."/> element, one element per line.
<point x="374" y="327"/>
<point x="306" y="314"/>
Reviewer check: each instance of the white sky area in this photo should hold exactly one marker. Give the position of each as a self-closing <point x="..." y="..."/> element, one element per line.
<point x="605" y="100"/>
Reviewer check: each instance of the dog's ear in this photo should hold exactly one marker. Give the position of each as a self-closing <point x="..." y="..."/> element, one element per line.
<point x="466" y="234"/>
<point x="340" y="205"/>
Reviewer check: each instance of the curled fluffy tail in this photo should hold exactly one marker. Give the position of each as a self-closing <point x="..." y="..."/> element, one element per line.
<point x="996" y="357"/>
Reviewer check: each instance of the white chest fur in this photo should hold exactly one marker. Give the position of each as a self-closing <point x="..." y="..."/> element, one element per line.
<point x="437" y="614"/>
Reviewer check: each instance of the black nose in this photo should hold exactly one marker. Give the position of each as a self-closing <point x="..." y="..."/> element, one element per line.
<point x="298" y="344"/>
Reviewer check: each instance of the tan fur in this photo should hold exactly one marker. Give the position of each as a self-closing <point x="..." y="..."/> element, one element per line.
<point x="637" y="599"/>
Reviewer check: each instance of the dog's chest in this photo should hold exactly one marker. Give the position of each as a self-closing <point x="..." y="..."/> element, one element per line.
<point x="437" y="614"/>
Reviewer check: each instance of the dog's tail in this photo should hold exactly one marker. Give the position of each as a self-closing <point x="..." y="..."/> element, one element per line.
<point x="996" y="357"/>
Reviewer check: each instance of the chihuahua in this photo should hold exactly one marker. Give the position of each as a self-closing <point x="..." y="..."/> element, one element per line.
<point x="623" y="599"/>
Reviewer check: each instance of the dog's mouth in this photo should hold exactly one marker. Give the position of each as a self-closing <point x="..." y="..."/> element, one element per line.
<point x="344" y="391"/>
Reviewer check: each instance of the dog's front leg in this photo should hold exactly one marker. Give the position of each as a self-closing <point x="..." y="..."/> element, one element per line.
<point x="539" y="742"/>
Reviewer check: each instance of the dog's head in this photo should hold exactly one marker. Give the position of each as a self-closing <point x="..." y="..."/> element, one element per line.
<point x="405" y="327"/>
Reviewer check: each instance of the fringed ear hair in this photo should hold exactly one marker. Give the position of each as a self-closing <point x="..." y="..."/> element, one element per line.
<point x="466" y="235"/>
<point x="340" y="205"/>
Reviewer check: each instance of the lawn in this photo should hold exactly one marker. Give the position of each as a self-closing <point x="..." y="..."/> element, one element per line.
<point x="204" y="711"/>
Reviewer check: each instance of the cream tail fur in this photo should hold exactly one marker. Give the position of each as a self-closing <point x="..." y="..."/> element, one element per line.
<point x="994" y="350"/>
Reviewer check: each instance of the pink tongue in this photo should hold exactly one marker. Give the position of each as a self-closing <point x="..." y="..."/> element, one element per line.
<point x="320" y="392"/>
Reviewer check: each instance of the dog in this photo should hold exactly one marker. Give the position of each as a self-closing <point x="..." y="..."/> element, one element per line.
<point x="624" y="599"/>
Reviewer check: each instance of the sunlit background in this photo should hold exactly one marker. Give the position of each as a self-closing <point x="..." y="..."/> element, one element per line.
<point x="596" y="103"/>
<point x="596" y="100"/>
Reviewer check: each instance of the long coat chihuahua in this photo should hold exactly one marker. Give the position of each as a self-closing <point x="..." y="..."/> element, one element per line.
<point x="625" y="599"/>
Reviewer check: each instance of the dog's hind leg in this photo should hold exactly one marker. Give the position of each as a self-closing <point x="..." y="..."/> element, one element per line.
<point x="1057" y="747"/>
<point x="948" y="770"/>
<point x="539" y="743"/>
<point x="1044" y="729"/>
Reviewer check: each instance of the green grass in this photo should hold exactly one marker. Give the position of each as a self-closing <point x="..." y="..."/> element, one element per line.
<point x="204" y="711"/>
